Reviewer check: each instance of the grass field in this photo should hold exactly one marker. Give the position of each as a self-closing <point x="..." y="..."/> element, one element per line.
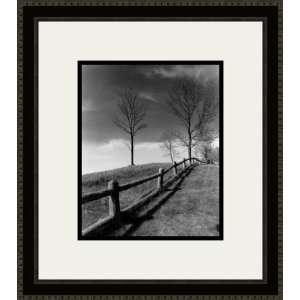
<point x="193" y="210"/>
<point x="93" y="182"/>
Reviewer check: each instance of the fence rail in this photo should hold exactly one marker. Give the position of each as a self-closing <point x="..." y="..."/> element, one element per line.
<point x="138" y="182"/>
<point x="114" y="190"/>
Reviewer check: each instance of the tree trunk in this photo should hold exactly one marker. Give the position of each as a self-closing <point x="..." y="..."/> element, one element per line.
<point x="190" y="146"/>
<point x="132" y="150"/>
<point x="190" y="151"/>
<point x="206" y="154"/>
<point x="171" y="156"/>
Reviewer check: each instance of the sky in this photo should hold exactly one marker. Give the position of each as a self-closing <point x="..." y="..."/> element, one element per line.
<point x="105" y="146"/>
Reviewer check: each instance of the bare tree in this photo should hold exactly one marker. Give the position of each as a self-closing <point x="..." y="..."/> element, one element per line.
<point x="210" y="153"/>
<point x="132" y="113"/>
<point x="197" y="151"/>
<point x="184" y="99"/>
<point x="205" y="151"/>
<point x="168" y="145"/>
<point x="207" y="113"/>
<point x="214" y="155"/>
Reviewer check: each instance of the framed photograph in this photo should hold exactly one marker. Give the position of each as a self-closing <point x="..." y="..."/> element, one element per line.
<point x="150" y="149"/>
<point x="150" y="111"/>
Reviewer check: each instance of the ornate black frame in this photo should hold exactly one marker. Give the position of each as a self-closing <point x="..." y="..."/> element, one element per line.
<point x="29" y="12"/>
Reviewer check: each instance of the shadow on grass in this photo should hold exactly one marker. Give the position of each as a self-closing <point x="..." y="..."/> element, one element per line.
<point x="137" y="221"/>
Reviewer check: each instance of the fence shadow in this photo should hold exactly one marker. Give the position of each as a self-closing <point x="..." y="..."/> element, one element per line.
<point x="137" y="221"/>
<point x="117" y="219"/>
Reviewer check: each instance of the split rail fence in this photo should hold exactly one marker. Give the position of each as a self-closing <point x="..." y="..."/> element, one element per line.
<point x="114" y="189"/>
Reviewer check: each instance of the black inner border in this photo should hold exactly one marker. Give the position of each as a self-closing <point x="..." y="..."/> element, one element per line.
<point x="140" y="287"/>
<point x="79" y="117"/>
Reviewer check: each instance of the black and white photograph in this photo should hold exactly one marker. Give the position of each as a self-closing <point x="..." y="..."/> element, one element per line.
<point x="150" y="150"/>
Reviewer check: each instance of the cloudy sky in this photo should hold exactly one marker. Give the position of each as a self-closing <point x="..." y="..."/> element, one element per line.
<point x="104" y="146"/>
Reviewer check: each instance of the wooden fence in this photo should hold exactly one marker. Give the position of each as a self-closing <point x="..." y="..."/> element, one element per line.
<point x="114" y="189"/>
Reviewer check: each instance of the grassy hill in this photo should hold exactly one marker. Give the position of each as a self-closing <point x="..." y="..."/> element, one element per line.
<point x="92" y="182"/>
<point x="192" y="211"/>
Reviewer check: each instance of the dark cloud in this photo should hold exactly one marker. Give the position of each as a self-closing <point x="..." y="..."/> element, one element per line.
<point x="100" y="87"/>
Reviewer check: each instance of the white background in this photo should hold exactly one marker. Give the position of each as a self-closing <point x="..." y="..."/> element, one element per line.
<point x="291" y="150"/>
<point x="61" y="255"/>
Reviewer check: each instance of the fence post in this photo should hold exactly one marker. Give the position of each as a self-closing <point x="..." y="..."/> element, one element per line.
<point x="114" y="201"/>
<point x="174" y="168"/>
<point x="160" y="178"/>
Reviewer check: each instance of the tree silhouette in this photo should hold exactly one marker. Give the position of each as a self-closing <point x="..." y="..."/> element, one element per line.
<point x="168" y="145"/>
<point x="131" y="115"/>
<point x="207" y="113"/>
<point x="183" y="100"/>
